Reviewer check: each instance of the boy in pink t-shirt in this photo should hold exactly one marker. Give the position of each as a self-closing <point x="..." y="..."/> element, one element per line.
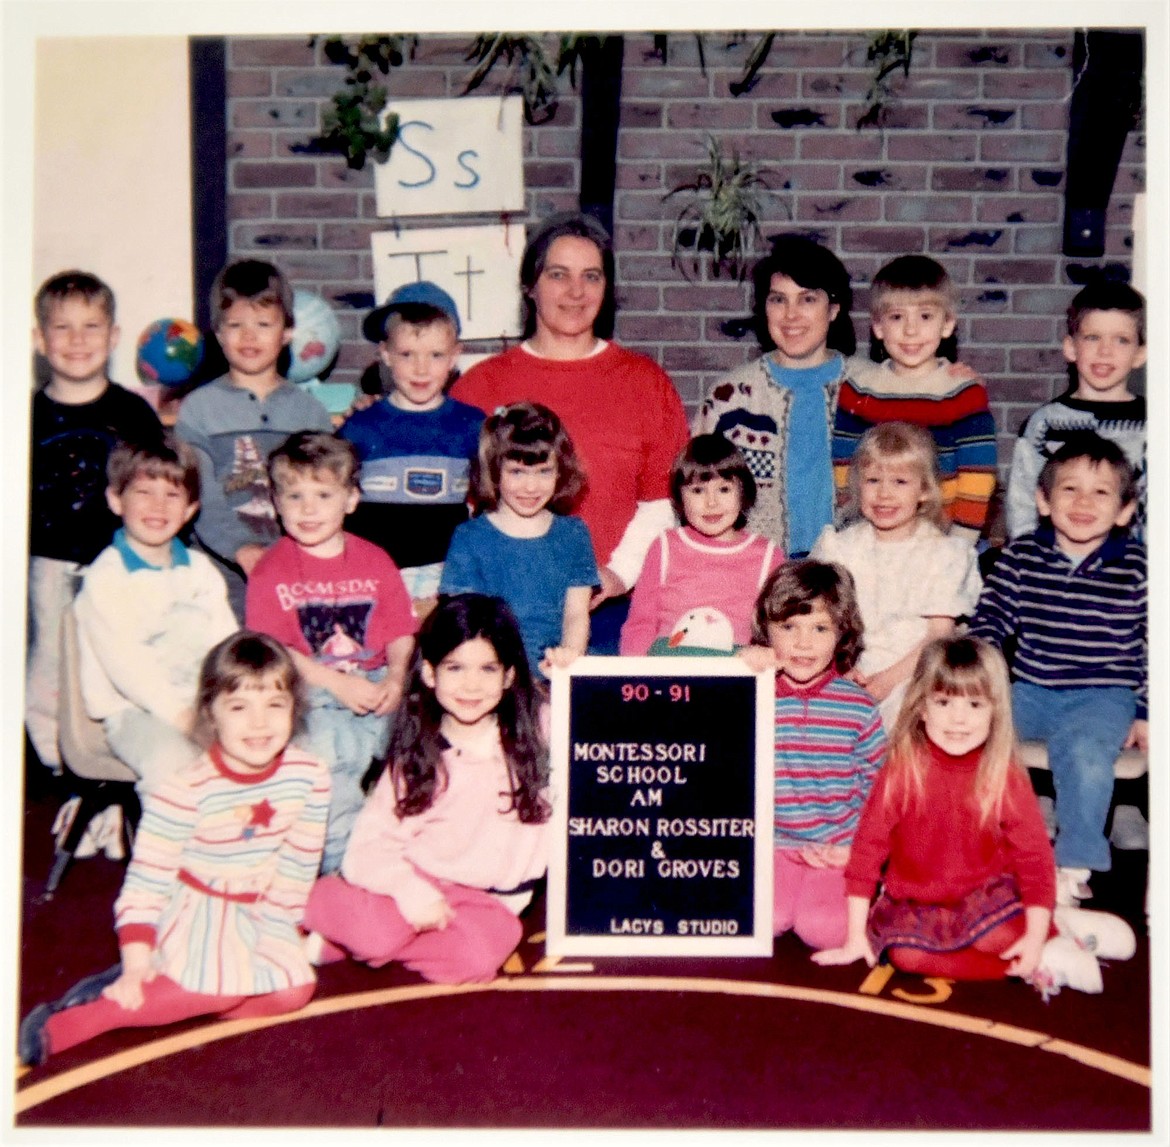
<point x="338" y="603"/>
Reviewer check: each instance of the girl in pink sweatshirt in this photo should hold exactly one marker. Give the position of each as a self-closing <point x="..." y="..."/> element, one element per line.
<point x="699" y="582"/>
<point x="452" y="838"/>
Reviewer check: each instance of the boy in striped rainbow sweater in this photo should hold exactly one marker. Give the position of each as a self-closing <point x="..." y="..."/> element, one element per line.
<point x="912" y="307"/>
<point x="1072" y="596"/>
<point x="829" y="741"/>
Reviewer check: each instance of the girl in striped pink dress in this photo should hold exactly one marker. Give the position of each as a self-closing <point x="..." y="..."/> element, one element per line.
<point x="207" y="918"/>
<point x="829" y="742"/>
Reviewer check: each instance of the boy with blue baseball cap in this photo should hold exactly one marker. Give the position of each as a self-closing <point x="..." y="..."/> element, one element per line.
<point x="415" y="443"/>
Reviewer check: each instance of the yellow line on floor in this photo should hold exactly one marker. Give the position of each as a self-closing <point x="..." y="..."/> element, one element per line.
<point x="41" y="1092"/>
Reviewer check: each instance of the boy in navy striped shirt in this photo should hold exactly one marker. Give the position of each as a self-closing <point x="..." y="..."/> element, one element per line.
<point x="1072" y="596"/>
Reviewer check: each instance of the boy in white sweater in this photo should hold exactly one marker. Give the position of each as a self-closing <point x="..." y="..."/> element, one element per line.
<point x="148" y="611"/>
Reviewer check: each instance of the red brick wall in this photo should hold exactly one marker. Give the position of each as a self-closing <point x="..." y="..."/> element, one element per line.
<point x="969" y="168"/>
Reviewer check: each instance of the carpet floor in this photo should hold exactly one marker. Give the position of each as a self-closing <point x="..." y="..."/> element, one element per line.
<point x="767" y="1043"/>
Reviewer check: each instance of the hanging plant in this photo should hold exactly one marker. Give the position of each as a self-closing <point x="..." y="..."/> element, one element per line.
<point x="754" y="63"/>
<point x="888" y="52"/>
<point x="723" y="215"/>
<point x="531" y="71"/>
<point x="352" y="125"/>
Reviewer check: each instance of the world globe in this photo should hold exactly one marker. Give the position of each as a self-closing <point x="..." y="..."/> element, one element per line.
<point x="169" y="351"/>
<point x="316" y="337"/>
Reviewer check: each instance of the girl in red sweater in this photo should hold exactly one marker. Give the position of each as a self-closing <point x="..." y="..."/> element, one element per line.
<point x="953" y="832"/>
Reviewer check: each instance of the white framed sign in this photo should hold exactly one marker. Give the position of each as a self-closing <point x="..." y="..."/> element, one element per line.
<point x="478" y="266"/>
<point x="453" y="157"/>
<point x="662" y="788"/>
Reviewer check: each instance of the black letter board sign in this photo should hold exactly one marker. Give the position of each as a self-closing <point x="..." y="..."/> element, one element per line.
<point x="662" y="790"/>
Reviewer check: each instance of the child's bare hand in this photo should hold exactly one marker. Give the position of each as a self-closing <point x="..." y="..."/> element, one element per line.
<point x="825" y="855"/>
<point x="355" y="692"/>
<point x="611" y="586"/>
<point x="758" y="658"/>
<point x="558" y="657"/>
<point x="391" y="694"/>
<point x="1024" y="955"/>
<point x="1138" y="736"/>
<point x="248" y="555"/>
<point x="849" y="952"/>
<point x="137" y="969"/>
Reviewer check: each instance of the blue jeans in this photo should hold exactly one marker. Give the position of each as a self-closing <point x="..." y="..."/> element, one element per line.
<point x="346" y="742"/>
<point x="1084" y="730"/>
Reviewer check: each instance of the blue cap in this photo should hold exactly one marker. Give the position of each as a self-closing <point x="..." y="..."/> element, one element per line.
<point x="424" y="291"/>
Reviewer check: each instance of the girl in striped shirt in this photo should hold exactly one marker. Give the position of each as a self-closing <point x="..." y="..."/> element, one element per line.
<point x="224" y="858"/>
<point x="829" y="742"/>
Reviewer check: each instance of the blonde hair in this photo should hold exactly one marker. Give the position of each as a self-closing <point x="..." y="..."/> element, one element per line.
<point x="958" y="667"/>
<point x="899" y="442"/>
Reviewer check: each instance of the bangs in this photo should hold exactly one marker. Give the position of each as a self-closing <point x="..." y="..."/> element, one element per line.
<point x="244" y="677"/>
<point x="529" y="453"/>
<point x="699" y="475"/>
<point x="962" y="681"/>
<point x="159" y="468"/>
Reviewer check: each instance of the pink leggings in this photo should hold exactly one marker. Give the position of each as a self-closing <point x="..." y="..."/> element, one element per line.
<point x="165" y="1003"/>
<point x="809" y="901"/>
<point x="370" y="928"/>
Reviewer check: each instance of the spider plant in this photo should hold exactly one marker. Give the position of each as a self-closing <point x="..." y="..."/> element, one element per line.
<point x="722" y="216"/>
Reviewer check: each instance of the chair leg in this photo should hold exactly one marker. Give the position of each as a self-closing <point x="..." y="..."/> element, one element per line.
<point x="94" y="796"/>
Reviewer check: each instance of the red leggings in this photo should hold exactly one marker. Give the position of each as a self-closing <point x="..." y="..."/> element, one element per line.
<point x="979" y="961"/>
<point x="165" y="1003"/>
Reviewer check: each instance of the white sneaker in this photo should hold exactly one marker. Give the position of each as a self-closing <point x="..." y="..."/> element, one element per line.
<point x="313" y="947"/>
<point x="1065" y="964"/>
<point x="1107" y="936"/>
<point x="112" y="844"/>
<point x="1130" y="832"/>
<point x="90" y="843"/>
<point x="1072" y="886"/>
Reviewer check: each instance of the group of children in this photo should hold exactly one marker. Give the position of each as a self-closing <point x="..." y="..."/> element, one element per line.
<point x="408" y="584"/>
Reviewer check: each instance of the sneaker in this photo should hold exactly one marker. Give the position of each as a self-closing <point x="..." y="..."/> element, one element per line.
<point x="31" y="1042"/>
<point x="1107" y="936"/>
<point x="1072" y="886"/>
<point x="1065" y="964"/>
<point x="92" y="839"/>
<point x="314" y="947"/>
<point x="111" y="835"/>
<point x="1131" y="832"/>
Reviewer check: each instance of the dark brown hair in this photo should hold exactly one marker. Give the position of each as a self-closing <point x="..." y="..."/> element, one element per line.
<point x="254" y="281"/>
<point x="529" y="433"/>
<point x="170" y="459"/>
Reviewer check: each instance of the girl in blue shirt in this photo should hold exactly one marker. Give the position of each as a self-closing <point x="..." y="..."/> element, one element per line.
<point x="522" y="545"/>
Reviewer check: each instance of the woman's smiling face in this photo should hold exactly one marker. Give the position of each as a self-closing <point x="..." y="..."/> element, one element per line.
<point x="798" y="320"/>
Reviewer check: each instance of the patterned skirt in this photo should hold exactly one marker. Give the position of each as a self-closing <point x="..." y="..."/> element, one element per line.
<point x="942" y="927"/>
